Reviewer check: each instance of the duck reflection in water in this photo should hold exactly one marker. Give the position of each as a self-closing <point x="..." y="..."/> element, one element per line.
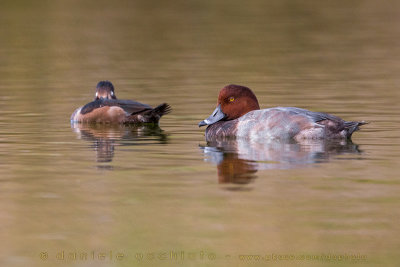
<point x="238" y="160"/>
<point x="105" y="138"/>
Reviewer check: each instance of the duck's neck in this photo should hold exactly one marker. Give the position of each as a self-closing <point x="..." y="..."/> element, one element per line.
<point x="221" y="129"/>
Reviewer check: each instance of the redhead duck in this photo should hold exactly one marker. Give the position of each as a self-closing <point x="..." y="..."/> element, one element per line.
<point x="106" y="108"/>
<point x="238" y="114"/>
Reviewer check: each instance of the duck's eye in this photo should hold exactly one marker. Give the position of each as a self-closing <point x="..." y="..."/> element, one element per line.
<point x="231" y="99"/>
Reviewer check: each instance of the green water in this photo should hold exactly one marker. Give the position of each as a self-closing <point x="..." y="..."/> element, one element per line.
<point x="156" y="195"/>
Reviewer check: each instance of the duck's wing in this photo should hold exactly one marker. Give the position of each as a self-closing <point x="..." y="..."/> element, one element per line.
<point x="314" y="116"/>
<point x="333" y="123"/>
<point x="129" y="106"/>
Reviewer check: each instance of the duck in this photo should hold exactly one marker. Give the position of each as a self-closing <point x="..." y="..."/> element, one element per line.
<point x="238" y="115"/>
<point x="106" y="108"/>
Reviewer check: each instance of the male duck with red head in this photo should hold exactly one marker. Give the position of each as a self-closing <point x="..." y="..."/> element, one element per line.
<point x="238" y="114"/>
<point x="106" y="108"/>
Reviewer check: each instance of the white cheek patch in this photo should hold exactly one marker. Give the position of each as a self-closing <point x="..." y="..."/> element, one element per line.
<point x="112" y="93"/>
<point x="97" y="93"/>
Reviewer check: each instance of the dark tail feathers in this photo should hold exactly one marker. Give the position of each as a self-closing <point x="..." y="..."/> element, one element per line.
<point x="162" y="109"/>
<point x="353" y="126"/>
<point x="154" y="115"/>
<point x="150" y="115"/>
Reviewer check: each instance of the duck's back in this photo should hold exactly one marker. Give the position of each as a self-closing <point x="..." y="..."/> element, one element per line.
<point x="285" y="123"/>
<point x="119" y="111"/>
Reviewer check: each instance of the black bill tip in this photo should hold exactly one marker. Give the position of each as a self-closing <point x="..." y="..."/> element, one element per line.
<point x="202" y="123"/>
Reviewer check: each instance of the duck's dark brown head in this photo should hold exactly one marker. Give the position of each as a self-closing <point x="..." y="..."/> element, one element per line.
<point x="237" y="100"/>
<point x="233" y="102"/>
<point x="105" y="90"/>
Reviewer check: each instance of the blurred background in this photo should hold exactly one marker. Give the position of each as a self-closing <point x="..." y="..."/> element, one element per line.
<point x="156" y="190"/>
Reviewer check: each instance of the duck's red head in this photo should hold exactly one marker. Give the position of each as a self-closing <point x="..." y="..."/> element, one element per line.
<point x="105" y="90"/>
<point x="236" y="100"/>
<point x="233" y="102"/>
